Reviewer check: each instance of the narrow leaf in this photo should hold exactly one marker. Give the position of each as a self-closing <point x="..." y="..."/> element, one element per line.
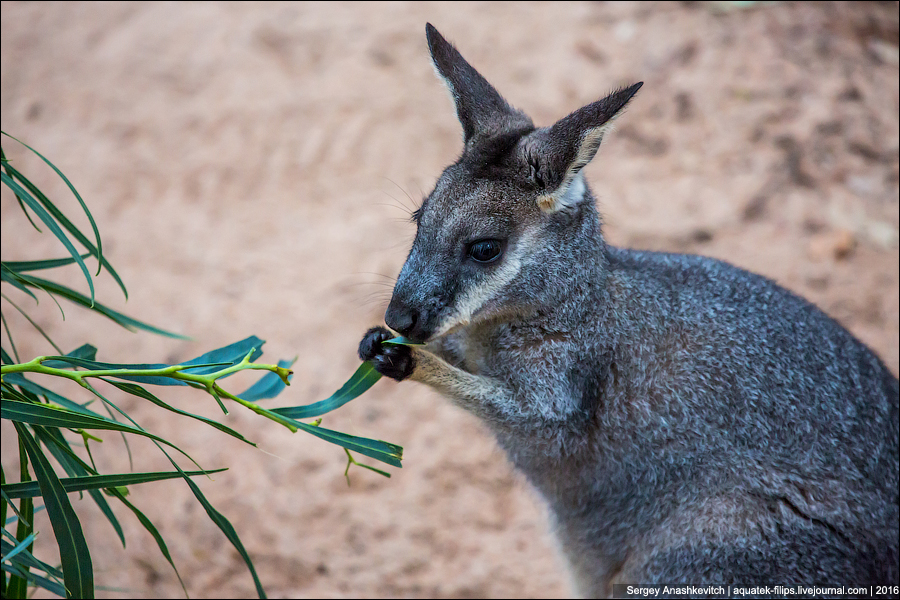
<point x="37" y="265"/>
<point x="19" y="200"/>
<point x="73" y="551"/>
<point x="39" y="390"/>
<point x="64" y="221"/>
<point x="227" y="528"/>
<point x="4" y="502"/>
<point x="51" y="586"/>
<point x="78" y="298"/>
<point x="76" y="194"/>
<point x="31" y="321"/>
<point x="18" y="585"/>
<point x="231" y="354"/>
<point x="8" y="555"/>
<point x="51" y="225"/>
<point x="59" y="447"/>
<point x="86" y="352"/>
<point x="364" y="378"/>
<point x="94" y="365"/>
<point x="30" y="489"/>
<point x="386" y="452"/>
<point x="402" y="341"/>
<point x="140" y="392"/>
<point x="28" y="559"/>
<point x="152" y="530"/>
<point x="11" y="277"/>
<point x="47" y="416"/>
<point x="383" y="451"/>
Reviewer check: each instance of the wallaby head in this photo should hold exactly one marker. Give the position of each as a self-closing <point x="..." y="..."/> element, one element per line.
<point x="514" y="208"/>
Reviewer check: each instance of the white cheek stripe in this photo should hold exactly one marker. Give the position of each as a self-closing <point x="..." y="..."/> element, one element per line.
<point x="476" y="297"/>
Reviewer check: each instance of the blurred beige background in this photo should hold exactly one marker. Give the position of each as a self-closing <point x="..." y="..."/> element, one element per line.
<point x="251" y="168"/>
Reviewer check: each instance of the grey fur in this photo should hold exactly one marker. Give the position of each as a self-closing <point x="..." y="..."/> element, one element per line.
<point x="685" y="420"/>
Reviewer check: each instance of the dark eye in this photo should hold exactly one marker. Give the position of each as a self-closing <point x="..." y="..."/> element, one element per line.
<point x="485" y="251"/>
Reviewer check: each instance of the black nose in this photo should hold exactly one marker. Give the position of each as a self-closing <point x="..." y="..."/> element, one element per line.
<point x="406" y="321"/>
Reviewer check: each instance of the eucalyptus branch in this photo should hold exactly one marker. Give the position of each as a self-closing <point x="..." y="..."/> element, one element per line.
<point x="207" y="381"/>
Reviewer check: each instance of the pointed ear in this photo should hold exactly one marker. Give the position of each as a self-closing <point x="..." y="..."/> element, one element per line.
<point x="565" y="148"/>
<point x="482" y="111"/>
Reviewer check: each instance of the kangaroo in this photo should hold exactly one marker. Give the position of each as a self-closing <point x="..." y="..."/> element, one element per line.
<point x="686" y="421"/>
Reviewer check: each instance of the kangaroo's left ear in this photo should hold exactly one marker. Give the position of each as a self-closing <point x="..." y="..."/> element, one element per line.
<point x="561" y="151"/>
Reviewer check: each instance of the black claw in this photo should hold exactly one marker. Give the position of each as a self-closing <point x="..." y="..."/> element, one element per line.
<point x="390" y="360"/>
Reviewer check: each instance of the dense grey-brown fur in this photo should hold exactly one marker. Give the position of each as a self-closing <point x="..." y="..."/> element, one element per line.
<point x="685" y="420"/>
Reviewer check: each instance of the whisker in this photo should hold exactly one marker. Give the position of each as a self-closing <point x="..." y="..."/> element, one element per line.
<point x="397" y="204"/>
<point x="386" y="284"/>
<point x="376" y="274"/>
<point x="405" y="193"/>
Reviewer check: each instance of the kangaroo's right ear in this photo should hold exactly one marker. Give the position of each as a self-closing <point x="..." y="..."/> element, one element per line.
<point x="561" y="151"/>
<point x="482" y="111"/>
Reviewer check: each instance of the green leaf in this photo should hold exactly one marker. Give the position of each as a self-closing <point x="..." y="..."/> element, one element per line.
<point x="383" y="451"/>
<point x="137" y="390"/>
<point x="11" y="277"/>
<point x="51" y="225"/>
<point x="73" y="551"/>
<point x="228" y="355"/>
<point x="402" y="341"/>
<point x="90" y="217"/>
<point x="18" y="585"/>
<point x="227" y="528"/>
<point x="76" y="233"/>
<point x="364" y="378"/>
<point x="4" y="502"/>
<point x="27" y="558"/>
<point x="8" y="555"/>
<point x="9" y="393"/>
<point x="47" y="416"/>
<point x="52" y="439"/>
<point x="152" y="530"/>
<point x="37" y="265"/>
<point x="205" y="364"/>
<point x="59" y="447"/>
<point x="268" y="386"/>
<point x="94" y="365"/>
<point x="39" y="390"/>
<point x="51" y="586"/>
<point x="86" y="352"/>
<point x="30" y="320"/>
<point x="18" y="516"/>
<point x="30" y="489"/>
<point x="386" y="452"/>
<point x="21" y="204"/>
<point x="78" y="298"/>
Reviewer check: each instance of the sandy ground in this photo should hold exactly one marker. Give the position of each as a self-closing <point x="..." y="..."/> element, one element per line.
<point x="251" y="168"/>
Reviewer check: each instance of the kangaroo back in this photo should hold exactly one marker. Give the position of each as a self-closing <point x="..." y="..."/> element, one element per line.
<point x="686" y="421"/>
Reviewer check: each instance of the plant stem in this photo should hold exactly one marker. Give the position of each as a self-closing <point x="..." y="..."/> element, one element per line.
<point x="206" y="381"/>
